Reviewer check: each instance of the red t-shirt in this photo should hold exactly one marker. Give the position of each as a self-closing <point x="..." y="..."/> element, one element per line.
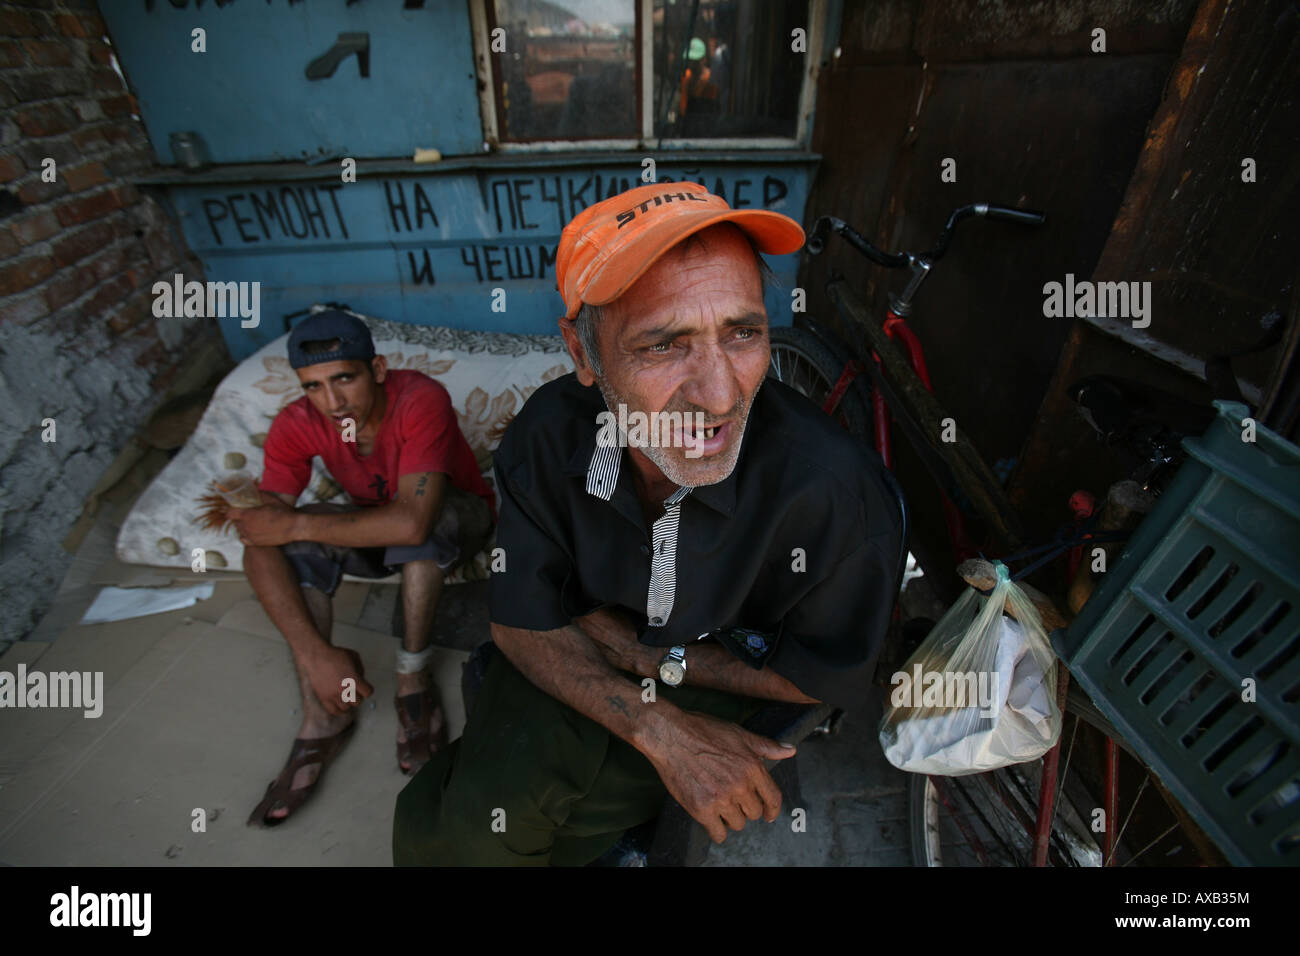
<point x="418" y="433"/>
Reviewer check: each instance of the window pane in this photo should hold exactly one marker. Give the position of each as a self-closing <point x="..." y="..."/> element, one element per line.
<point x="725" y="67"/>
<point x="568" y="70"/>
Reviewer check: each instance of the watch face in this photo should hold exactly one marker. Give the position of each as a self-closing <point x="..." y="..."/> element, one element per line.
<point x="671" y="673"/>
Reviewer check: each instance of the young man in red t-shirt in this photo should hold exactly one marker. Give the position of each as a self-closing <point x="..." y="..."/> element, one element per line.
<point x="420" y="505"/>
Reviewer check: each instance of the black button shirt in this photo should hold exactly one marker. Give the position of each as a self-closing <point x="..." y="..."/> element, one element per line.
<point x="801" y="541"/>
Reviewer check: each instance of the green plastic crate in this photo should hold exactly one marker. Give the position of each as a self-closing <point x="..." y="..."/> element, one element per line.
<point x="1205" y="595"/>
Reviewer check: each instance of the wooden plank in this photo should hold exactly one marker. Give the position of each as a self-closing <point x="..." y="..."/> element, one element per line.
<point x="1218" y="251"/>
<point x="979" y="483"/>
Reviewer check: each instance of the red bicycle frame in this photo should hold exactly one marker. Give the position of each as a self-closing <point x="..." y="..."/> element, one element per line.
<point x="896" y="327"/>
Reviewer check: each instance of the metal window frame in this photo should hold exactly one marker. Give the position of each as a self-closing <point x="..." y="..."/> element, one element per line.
<point x="817" y="26"/>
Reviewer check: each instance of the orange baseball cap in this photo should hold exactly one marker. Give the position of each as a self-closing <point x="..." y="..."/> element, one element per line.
<point x="605" y="248"/>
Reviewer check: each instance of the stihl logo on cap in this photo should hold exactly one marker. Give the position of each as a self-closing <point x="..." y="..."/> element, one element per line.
<point x="625" y="217"/>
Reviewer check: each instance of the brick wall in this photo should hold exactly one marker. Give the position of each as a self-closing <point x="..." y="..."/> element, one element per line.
<point x="78" y="256"/>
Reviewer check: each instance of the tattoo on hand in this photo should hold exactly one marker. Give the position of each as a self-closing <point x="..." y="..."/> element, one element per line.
<point x="617" y="703"/>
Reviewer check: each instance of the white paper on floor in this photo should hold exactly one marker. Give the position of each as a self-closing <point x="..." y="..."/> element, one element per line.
<point x="118" y="604"/>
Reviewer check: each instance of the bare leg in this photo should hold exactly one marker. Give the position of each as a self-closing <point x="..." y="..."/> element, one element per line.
<point x="421" y="588"/>
<point x="304" y="612"/>
<point x="321" y="608"/>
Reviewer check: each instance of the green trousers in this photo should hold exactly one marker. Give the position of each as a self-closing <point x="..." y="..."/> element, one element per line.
<point x="532" y="782"/>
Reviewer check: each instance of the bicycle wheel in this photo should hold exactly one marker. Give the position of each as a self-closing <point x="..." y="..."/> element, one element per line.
<point x="806" y="364"/>
<point x="989" y="819"/>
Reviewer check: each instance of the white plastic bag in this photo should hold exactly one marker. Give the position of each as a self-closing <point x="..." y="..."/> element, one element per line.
<point x="980" y="691"/>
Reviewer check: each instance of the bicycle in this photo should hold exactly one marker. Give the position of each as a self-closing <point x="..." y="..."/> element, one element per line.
<point x="988" y="818"/>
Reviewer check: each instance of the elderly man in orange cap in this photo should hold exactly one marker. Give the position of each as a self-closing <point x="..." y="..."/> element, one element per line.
<point x="683" y="541"/>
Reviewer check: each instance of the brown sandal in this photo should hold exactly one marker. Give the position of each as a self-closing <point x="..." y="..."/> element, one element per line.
<point x="321" y="750"/>
<point x="425" y="726"/>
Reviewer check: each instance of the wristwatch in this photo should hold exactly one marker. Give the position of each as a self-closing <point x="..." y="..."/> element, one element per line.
<point x="672" y="669"/>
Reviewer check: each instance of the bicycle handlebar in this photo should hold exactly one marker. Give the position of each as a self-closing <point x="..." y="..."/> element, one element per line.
<point x="816" y="242"/>
<point x="892" y="260"/>
<point x="1022" y="216"/>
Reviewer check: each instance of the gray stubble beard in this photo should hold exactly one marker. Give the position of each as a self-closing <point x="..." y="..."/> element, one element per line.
<point x="673" y="467"/>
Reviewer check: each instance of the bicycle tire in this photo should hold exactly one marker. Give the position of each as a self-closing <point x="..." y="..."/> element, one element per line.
<point x="918" y="805"/>
<point x="804" y="362"/>
<point x="923" y="811"/>
<point x="924" y="814"/>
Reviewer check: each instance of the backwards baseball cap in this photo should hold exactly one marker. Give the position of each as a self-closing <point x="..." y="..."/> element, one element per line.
<point x="354" y="339"/>
<point x="607" y="247"/>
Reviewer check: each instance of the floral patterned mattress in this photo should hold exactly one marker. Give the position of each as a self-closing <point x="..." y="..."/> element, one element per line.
<point x="488" y="374"/>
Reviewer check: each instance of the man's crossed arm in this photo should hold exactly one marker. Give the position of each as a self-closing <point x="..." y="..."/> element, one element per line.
<point x="712" y="767"/>
<point x="707" y="665"/>
<point x="406" y="520"/>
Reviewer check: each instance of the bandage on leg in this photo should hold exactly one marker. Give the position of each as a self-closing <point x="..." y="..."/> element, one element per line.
<point x="412" y="662"/>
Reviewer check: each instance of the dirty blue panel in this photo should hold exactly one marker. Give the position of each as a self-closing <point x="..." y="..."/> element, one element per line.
<point x="248" y="97"/>
<point x="431" y="249"/>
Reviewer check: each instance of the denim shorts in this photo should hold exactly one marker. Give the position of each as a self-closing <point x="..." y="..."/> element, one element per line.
<point x="462" y="530"/>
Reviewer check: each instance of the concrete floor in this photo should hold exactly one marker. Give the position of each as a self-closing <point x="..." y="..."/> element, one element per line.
<point x="201" y="707"/>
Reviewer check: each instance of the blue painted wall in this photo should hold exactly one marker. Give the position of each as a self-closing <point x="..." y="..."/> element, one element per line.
<point x="429" y="248"/>
<point x="424" y="244"/>
<point x="248" y="96"/>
